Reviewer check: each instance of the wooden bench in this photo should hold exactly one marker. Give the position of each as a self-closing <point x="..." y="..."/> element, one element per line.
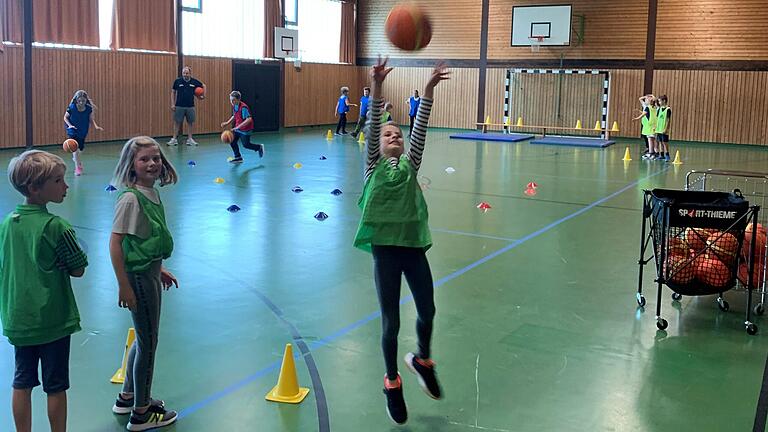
<point x="543" y="129"/>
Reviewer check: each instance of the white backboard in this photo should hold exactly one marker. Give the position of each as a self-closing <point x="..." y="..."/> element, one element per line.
<point x="286" y="43"/>
<point x="553" y="23"/>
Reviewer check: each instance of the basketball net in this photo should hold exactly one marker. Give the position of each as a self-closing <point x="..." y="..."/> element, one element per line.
<point x="536" y="43"/>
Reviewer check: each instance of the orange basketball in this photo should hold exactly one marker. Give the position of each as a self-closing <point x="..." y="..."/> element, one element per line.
<point x="697" y="238"/>
<point x="70" y="145"/>
<point x="679" y="270"/>
<point x="677" y="246"/>
<point x="712" y="272"/>
<point x="408" y="27"/>
<point x="725" y="246"/>
<point x="757" y="275"/>
<point x="759" y="245"/>
<point x="760" y="228"/>
<point x="227" y="136"/>
<point x="199" y="91"/>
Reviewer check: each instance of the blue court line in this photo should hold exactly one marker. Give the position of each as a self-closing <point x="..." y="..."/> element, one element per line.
<point x="469" y="234"/>
<point x="365" y="320"/>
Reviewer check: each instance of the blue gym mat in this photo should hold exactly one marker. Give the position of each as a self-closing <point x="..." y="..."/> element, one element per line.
<point x="571" y="141"/>
<point x="479" y="136"/>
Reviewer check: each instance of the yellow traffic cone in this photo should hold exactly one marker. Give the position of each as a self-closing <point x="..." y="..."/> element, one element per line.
<point x="329" y="135"/>
<point x="615" y="127"/>
<point x="677" y="160"/>
<point x="597" y="125"/>
<point x="287" y="389"/>
<point x="119" y="376"/>
<point x="218" y="180"/>
<point x="578" y="124"/>
<point x="519" y="121"/>
<point x="627" y="157"/>
<point x="508" y="121"/>
<point x="361" y="138"/>
<point x="488" y="120"/>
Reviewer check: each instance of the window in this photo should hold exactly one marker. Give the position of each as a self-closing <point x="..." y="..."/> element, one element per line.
<point x="195" y="6"/>
<point x="226" y="28"/>
<point x="319" y="28"/>
<point x="291" y="12"/>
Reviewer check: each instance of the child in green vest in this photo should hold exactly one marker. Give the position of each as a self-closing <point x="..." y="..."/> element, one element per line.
<point x="648" y="121"/>
<point x="393" y="227"/>
<point x="139" y="243"/>
<point x="662" y="126"/>
<point x="38" y="254"/>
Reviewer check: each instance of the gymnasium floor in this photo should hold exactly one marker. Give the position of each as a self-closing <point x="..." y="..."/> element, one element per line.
<point x="537" y="327"/>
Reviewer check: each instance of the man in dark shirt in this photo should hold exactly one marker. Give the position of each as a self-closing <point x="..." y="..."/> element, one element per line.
<point x="183" y="104"/>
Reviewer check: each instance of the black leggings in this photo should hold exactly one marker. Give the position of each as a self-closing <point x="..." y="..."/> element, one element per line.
<point x="410" y="130"/>
<point x="389" y="264"/>
<point x="246" y="140"/>
<point x="342" y="126"/>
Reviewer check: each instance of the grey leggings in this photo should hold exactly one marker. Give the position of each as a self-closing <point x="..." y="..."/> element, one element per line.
<point x="146" y="322"/>
<point x="389" y="264"/>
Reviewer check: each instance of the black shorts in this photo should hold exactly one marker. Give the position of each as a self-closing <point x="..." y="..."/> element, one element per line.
<point x="80" y="141"/>
<point x="662" y="137"/>
<point x="54" y="357"/>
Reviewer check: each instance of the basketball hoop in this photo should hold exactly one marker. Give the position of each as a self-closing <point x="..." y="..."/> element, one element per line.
<point x="536" y="43"/>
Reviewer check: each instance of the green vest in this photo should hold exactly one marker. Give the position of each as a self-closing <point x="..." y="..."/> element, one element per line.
<point x="394" y="210"/>
<point x="661" y="123"/>
<point x="649" y="124"/>
<point x="385" y="117"/>
<point x="37" y="304"/>
<point x="141" y="253"/>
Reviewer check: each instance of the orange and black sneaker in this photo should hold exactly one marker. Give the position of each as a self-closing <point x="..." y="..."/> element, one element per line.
<point x="425" y="371"/>
<point x="396" y="409"/>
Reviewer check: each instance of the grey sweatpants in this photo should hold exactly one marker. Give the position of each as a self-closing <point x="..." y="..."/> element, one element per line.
<point x="146" y="322"/>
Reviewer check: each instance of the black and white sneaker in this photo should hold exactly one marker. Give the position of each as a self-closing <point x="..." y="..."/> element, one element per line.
<point x="124" y="406"/>
<point x="396" y="409"/>
<point x="155" y="417"/>
<point x="260" y="150"/>
<point x="425" y="371"/>
<point x="236" y="160"/>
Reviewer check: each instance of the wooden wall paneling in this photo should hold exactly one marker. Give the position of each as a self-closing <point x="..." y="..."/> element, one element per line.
<point x="312" y="92"/>
<point x="455" y="99"/>
<point x="613" y="30"/>
<point x="12" y="121"/>
<point x="455" y="29"/>
<point x="494" y="95"/>
<point x="712" y="30"/>
<point x="623" y="105"/>
<point x="216" y="73"/>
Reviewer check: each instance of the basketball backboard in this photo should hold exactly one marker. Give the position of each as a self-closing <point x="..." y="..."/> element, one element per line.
<point x="551" y="25"/>
<point x="286" y="43"/>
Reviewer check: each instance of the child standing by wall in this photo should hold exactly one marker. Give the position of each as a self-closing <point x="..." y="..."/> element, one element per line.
<point x="662" y="126"/>
<point x="139" y="243"/>
<point x="342" y="108"/>
<point x="413" y="108"/>
<point x="38" y="255"/>
<point x="394" y="228"/>
<point x="363" y="111"/>
<point x="77" y="118"/>
<point x="648" y="122"/>
<point x="241" y="115"/>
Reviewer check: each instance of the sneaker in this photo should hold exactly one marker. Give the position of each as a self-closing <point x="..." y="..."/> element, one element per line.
<point x="395" y="403"/>
<point x="124" y="406"/>
<point x="646" y="156"/>
<point x="173" y="142"/>
<point x="78" y="170"/>
<point x="425" y="371"/>
<point x="236" y="160"/>
<point x="155" y="417"/>
<point x="666" y="157"/>
<point x="191" y="142"/>
<point x="260" y="150"/>
<point x="337" y="134"/>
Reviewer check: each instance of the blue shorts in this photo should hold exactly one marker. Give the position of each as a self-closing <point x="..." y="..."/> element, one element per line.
<point x="72" y="133"/>
<point x="662" y="137"/>
<point x="54" y="357"/>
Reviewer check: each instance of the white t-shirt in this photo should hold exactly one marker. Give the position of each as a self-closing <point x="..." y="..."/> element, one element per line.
<point x="129" y="219"/>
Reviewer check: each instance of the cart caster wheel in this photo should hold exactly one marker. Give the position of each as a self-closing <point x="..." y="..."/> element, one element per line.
<point x="662" y="324"/>
<point x="640" y="300"/>
<point x="751" y="329"/>
<point x="759" y="309"/>
<point x="677" y="297"/>
<point x="723" y="305"/>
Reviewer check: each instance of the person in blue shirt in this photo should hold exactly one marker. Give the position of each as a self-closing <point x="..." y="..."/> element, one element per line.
<point x="342" y="108"/>
<point x="413" y="108"/>
<point x="77" y="120"/>
<point x="363" y="111"/>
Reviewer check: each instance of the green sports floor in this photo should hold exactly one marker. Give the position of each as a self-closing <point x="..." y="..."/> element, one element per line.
<point x="537" y="327"/>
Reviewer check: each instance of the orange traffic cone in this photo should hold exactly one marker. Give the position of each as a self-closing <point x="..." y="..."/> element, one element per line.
<point x="287" y="389"/>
